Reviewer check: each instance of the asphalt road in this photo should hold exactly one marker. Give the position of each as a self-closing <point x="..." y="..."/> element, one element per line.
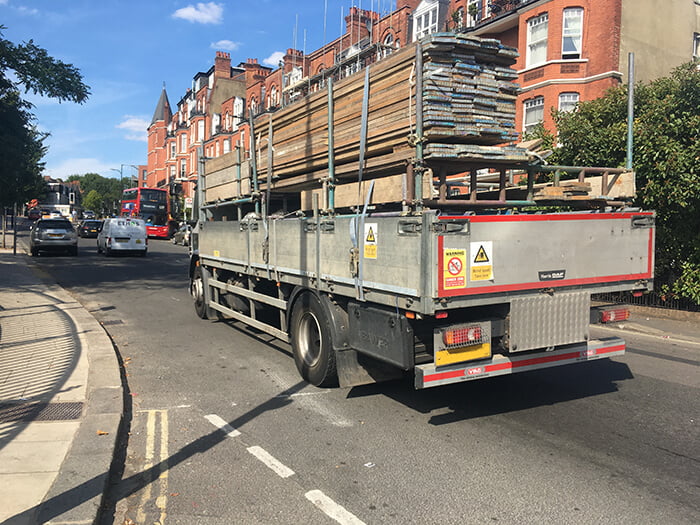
<point x="611" y="441"/>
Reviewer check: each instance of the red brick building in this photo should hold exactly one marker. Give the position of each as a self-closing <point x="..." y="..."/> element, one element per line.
<point x="570" y="51"/>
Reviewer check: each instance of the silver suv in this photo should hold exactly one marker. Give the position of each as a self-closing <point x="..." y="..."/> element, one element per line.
<point x="53" y="235"/>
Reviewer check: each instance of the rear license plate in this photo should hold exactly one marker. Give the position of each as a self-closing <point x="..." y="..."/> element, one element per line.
<point x="56" y="235"/>
<point x="138" y="241"/>
<point x="122" y="239"/>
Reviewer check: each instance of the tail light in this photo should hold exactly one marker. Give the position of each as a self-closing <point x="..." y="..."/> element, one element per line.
<point x="610" y="314"/>
<point x="463" y="336"/>
<point x="614" y="315"/>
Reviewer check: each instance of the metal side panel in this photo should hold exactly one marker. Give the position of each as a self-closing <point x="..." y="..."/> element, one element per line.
<point x="302" y="251"/>
<point x="428" y="375"/>
<point x="522" y="252"/>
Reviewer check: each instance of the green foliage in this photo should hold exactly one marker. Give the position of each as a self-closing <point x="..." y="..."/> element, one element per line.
<point x="666" y="162"/>
<point x="22" y="147"/>
<point x="104" y="193"/>
<point x="93" y="201"/>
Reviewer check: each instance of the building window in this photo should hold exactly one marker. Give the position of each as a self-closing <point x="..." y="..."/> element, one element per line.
<point x="172" y="150"/>
<point x="696" y="45"/>
<point x="425" y="22"/>
<point x="227" y="146"/>
<point x="387" y="45"/>
<point x="183" y="143"/>
<point x="473" y="12"/>
<point x="534" y="113"/>
<point x="571" y="33"/>
<point x="537" y="40"/>
<point x="568" y="101"/>
<point x="182" y="168"/>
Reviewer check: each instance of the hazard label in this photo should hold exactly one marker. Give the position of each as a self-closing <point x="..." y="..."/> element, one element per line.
<point x="454" y="269"/>
<point x="370" y="243"/>
<point x="481" y="261"/>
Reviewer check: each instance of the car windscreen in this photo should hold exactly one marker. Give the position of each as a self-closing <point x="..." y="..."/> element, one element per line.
<point x="55" y="225"/>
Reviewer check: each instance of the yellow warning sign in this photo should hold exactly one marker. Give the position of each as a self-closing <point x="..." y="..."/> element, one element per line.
<point x="454" y="269"/>
<point x="481" y="256"/>
<point x="481" y="267"/>
<point x="370" y="244"/>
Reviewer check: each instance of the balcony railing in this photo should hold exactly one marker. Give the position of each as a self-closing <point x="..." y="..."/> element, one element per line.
<point x="497" y="7"/>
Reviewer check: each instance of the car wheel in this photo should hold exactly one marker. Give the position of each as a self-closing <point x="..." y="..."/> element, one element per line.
<point x="35" y="252"/>
<point x="99" y="250"/>
<point x="174" y="240"/>
<point x="311" y="342"/>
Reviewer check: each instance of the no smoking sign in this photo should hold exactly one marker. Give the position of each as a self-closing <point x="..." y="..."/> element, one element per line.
<point x="454" y="269"/>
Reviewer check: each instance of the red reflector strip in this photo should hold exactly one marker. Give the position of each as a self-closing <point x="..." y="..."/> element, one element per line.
<point x="522" y="363"/>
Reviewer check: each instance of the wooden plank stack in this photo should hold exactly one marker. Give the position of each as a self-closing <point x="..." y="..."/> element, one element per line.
<point x="468" y="107"/>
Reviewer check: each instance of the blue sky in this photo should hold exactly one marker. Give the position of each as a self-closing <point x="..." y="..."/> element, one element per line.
<point x="126" y="49"/>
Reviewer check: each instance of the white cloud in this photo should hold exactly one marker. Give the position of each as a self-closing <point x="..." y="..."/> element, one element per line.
<point x="274" y="59"/>
<point x="27" y="10"/>
<point x="80" y="166"/>
<point x="209" y="13"/>
<point x="135" y="126"/>
<point x="226" y="45"/>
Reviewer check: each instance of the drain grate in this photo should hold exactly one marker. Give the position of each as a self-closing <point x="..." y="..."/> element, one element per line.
<point x="114" y="321"/>
<point x="10" y="412"/>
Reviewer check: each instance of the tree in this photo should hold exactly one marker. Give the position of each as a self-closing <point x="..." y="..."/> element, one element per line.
<point x="93" y="201"/>
<point x="109" y="189"/>
<point x="666" y="162"/>
<point x="28" y="66"/>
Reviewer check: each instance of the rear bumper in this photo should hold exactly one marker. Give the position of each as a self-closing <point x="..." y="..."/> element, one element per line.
<point x="428" y="375"/>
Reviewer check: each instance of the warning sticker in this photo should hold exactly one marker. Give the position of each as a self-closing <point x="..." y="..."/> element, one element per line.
<point x="454" y="263"/>
<point x="481" y="261"/>
<point x="370" y="243"/>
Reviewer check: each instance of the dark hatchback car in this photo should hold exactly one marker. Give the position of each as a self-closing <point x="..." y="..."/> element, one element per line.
<point x="89" y="228"/>
<point x="53" y="235"/>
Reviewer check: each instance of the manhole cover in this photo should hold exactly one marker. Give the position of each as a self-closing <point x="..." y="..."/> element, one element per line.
<point x="10" y="412"/>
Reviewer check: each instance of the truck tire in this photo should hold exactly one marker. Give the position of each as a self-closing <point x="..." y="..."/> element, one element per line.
<point x="197" y="292"/>
<point x="311" y="342"/>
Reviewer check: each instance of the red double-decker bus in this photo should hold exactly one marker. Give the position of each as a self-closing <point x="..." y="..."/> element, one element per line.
<point x="153" y="206"/>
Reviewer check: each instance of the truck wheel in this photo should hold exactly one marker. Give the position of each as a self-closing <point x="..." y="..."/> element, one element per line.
<point x="197" y="292"/>
<point x="311" y="342"/>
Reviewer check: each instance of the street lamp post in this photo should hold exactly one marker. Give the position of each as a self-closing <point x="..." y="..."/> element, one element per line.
<point x="121" y="176"/>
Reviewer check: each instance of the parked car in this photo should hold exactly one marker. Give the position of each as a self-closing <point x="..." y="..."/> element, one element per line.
<point x="182" y="235"/>
<point x="53" y="235"/>
<point x="89" y="228"/>
<point x="124" y="234"/>
<point x="34" y="214"/>
<point x="89" y="214"/>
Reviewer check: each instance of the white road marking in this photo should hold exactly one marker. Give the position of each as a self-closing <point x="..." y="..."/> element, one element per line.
<point x="221" y="424"/>
<point x="332" y="509"/>
<point x="281" y="470"/>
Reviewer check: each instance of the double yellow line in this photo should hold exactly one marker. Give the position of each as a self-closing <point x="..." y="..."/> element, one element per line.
<point x="157" y="423"/>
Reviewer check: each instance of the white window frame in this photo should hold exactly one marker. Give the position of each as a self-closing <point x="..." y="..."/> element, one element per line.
<point x="574" y="34"/>
<point x="469" y="20"/>
<point x="696" y="45"/>
<point x="568" y="101"/>
<point x="425" y="21"/>
<point x="183" y="143"/>
<point x="536" y="52"/>
<point x="533" y="108"/>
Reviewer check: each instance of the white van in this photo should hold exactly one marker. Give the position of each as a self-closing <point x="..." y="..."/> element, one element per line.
<point x="123" y="234"/>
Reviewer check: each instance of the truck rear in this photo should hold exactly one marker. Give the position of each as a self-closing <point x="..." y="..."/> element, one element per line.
<point x="384" y="255"/>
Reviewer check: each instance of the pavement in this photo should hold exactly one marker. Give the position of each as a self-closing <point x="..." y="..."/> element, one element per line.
<point x="61" y="400"/>
<point x="61" y="397"/>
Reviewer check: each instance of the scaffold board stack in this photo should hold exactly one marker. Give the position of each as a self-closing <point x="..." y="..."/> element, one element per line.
<point x="468" y="101"/>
